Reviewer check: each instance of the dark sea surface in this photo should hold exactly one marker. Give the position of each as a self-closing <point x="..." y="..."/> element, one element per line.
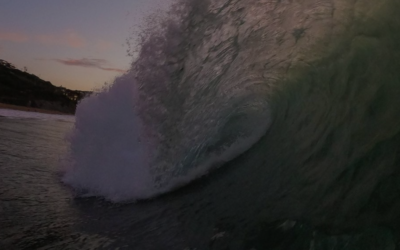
<point x="241" y="125"/>
<point x="231" y="209"/>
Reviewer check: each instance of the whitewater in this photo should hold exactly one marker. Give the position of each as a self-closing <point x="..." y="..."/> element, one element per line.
<point x="241" y="124"/>
<point x="186" y="106"/>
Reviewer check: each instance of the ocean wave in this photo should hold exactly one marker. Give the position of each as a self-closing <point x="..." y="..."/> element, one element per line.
<point x="188" y="104"/>
<point x="316" y="85"/>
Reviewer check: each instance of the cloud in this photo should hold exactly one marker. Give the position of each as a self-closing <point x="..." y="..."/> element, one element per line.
<point x="89" y="63"/>
<point x="13" y="37"/>
<point x="84" y="62"/>
<point x="69" y="38"/>
<point x="113" y="69"/>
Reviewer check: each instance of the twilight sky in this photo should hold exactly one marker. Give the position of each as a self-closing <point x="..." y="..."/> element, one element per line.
<point x="78" y="44"/>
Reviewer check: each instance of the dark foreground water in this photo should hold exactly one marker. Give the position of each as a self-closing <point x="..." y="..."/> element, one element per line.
<point x="223" y="211"/>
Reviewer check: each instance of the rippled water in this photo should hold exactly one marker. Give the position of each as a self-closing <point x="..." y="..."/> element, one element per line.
<point x="38" y="211"/>
<point x="223" y="211"/>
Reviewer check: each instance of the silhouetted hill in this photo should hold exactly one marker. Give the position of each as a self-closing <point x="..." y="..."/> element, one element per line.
<point x="25" y="89"/>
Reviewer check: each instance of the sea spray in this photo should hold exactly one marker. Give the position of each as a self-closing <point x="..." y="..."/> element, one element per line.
<point x="171" y="118"/>
<point x="108" y="154"/>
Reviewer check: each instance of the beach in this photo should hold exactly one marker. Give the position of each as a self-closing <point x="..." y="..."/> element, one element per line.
<point x="30" y="109"/>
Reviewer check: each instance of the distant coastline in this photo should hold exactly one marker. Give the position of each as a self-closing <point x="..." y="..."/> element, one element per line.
<point x="30" y="109"/>
<point x="20" y="90"/>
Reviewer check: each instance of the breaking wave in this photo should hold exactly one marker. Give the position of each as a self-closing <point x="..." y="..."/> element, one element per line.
<point x="308" y="93"/>
<point x="187" y="105"/>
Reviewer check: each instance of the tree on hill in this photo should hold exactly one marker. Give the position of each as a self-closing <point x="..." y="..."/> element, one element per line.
<point x="7" y="64"/>
<point x="18" y="87"/>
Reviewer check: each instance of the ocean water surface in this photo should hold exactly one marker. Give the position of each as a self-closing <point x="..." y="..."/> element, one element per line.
<point x="240" y="125"/>
<point x="222" y="211"/>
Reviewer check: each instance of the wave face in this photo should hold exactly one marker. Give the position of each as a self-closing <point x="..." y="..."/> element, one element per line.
<point x="305" y="91"/>
<point x="193" y="99"/>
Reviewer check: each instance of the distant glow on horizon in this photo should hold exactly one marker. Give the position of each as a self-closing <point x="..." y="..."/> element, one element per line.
<point x="74" y="44"/>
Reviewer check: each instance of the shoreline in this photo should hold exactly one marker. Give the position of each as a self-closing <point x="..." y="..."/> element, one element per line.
<point x="31" y="109"/>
